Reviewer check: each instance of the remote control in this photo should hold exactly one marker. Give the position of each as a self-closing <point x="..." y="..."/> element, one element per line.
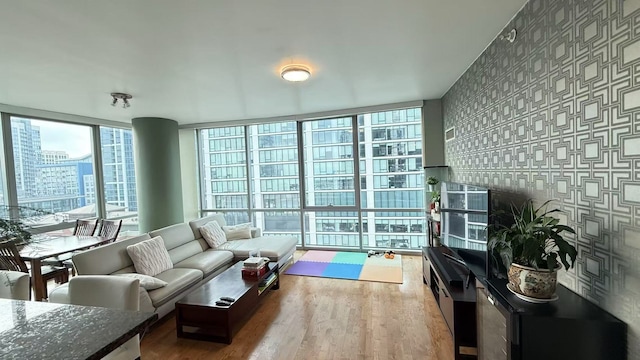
<point x="227" y="299"/>
<point x="222" y="303"/>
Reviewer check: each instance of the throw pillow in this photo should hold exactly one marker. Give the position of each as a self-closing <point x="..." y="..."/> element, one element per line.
<point x="213" y="234"/>
<point x="238" y="232"/>
<point x="150" y="257"/>
<point x="146" y="281"/>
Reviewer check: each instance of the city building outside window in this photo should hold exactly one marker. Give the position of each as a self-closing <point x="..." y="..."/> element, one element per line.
<point x="54" y="174"/>
<point x="385" y="210"/>
<point x="119" y="178"/>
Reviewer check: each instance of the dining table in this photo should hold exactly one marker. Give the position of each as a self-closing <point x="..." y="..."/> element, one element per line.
<point x="41" y="330"/>
<point x="41" y="249"/>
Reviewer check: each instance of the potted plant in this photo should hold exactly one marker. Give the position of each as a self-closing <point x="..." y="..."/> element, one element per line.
<point x="15" y="229"/>
<point x="532" y="249"/>
<point x="435" y="200"/>
<point x="432" y="181"/>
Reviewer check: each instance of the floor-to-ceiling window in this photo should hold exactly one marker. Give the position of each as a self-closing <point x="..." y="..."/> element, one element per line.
<point x="52" y="179"/>
<point x="331" y="216"/>
<point x="391" y="176"/>
<point x="119" y="178"/>
<point x="274" y="178"/>
<point x="318" y="178"/>
<point x="224" y="182"/>
<point x="53" y="164"/>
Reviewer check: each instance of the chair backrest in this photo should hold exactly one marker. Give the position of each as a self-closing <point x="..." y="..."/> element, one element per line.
<point x="10" y="257"/>
<point x="85" y="227"/>
<point x="108" y="291"/>
<point x="110" y="229"/>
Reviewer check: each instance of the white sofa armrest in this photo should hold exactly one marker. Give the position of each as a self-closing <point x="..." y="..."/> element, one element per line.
<point x="256" y="232"/>
<point x="60" y="295"/>
<point x="14" y="285"/>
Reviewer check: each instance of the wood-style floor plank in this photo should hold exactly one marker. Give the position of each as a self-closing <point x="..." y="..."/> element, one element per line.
<point x="318" y="318"/>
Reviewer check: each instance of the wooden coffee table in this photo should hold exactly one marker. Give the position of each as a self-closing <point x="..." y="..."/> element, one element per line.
<point x="198" y="316"/>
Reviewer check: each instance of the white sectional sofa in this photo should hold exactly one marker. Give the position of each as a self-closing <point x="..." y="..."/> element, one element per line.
<point x="194" y="262"/>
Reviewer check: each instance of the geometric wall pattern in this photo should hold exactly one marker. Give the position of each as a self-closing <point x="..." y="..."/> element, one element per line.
<point x="556" y="115"/>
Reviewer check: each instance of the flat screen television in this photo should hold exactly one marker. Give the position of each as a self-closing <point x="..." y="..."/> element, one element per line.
<point x="465" y="212"/>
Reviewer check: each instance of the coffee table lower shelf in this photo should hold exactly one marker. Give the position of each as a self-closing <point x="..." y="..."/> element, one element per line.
<point x="199" y="318"/>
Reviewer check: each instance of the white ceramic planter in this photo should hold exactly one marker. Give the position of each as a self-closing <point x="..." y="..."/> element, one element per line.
<point x="532" y="282"/>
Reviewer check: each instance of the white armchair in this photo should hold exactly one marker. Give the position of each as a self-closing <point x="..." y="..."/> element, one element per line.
<point x="14" y="285"/>
<point x="105" y="291"/>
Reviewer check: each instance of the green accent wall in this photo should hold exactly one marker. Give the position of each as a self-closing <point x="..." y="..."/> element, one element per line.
<point x="157" y="152"/>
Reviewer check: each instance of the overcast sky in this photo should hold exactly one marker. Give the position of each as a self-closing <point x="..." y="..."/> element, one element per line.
<point x="75" y="140"/>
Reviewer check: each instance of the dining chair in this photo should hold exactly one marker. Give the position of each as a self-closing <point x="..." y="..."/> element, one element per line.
<point x="106" y="291"/>
<point x="110" y="229"/>
<point x="14" y="285"/>
<point x="10" y="260"/>
<point x="85" y="227"/>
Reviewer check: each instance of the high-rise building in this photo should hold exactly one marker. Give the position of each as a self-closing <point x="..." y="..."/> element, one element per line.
<point x="388" y="174"/>
<point x="53" y="156"/>
<point x="26" y="154"/>
<point x="118" y="167"/>
<point x="49" y="180"/>
<point x="62" y="180"/>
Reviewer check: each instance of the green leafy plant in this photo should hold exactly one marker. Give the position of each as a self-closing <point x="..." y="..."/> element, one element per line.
<point x="435" y="196"/>
<point x="15" y="229"/>
<point x="431" y="180"/>
<point x="533" y="240"/>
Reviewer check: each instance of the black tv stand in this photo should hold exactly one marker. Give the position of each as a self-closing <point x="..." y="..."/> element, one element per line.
<point x="488" y="322"/>
<point x="453" y="287"/>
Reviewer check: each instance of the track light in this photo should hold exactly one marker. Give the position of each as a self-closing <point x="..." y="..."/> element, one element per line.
<point x="121" y="96"/>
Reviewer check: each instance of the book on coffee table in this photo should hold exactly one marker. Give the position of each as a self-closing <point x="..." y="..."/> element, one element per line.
<point x="254" y="262"/>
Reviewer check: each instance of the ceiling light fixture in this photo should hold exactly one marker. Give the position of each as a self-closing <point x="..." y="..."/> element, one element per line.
<point x="295" y="73"/>
<point x="121" y="96"/>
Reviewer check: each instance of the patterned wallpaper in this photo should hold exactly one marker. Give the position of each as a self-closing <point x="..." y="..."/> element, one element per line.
<point x="556" y="115"/>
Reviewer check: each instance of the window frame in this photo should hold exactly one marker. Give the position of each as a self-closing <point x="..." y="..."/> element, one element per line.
<point x="305" y="210"/>
<point x="7" y="160"/>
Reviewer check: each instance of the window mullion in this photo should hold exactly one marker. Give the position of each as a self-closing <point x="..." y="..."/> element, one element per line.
<point x="247" y="154"/>
<point x="301" y="182"/>
<point x="11" y="189"/>
<point x="356" y="175"/>
<point x="99" y="173"/>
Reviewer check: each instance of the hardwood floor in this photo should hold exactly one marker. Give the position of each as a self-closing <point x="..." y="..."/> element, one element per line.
<point x="318" y="318"/>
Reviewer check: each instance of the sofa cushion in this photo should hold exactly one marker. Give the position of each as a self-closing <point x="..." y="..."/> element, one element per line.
<point x="146" y="281"/>
<point x="237" y="232"/>
<point x="198" y="223"/>
<point x="208" y="262"/>
<point x="185" y="251"/>
<point x="214" y="235"/>
<point x="106" y="259"/>
<point x="174" y="235"/>
<point x="150" y="257"/>
<point x="178" y="279"/>
<point x="273" y="247"/>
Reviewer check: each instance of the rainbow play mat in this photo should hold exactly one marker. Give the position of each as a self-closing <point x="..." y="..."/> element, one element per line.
<point x="348" y="265"/>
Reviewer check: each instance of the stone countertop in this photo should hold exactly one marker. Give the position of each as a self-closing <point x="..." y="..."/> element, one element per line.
<point x="39" y="330"/>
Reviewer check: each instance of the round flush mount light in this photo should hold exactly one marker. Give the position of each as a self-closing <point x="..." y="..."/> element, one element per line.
<point x="295" y="73"/>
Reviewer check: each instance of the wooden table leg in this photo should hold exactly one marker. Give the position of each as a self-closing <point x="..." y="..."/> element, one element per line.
<point x="36" y="280"/>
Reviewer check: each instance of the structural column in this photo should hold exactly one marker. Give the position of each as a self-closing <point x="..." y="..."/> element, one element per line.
<point x="432" y="133"/>
<point x="159" y="186"/>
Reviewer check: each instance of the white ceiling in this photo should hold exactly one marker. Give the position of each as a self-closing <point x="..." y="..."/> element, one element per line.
<point x="203" y="60"/>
